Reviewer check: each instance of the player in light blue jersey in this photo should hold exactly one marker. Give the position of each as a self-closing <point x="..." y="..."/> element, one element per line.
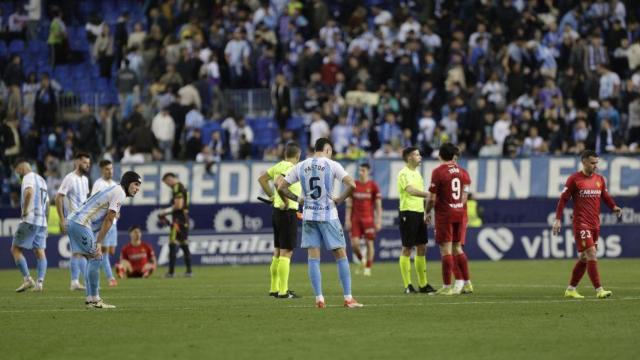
<point x="320" y="217"/>
<point x="88" y="226"/>
<point x="111" y="240"/>
<point x="73" y="192"/>
<point x="32" y="230"/>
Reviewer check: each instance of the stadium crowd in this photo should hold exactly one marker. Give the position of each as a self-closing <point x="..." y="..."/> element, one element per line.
<point x="499" y="78"/>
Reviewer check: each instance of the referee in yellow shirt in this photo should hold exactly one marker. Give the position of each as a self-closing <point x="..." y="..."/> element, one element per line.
<point x="413" y="227"/>
<point x="285" y="222"/>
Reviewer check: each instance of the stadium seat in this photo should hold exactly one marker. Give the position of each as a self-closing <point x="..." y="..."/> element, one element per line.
<point x="16" y="46"/>
<point x="4" y="52"/>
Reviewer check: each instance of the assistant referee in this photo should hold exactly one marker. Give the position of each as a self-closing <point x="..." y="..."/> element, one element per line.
<point x="413" y="227"/>
<point x="285" y="222"/>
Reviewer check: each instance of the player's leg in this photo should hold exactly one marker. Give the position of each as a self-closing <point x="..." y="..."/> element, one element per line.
<point x="461" y="266"/>
<point x="123" y="268"/>
<point x="41" y="261"/>
<point x="356" y="234"/>
<point x="288" y="238"/>
<point x="420" y="260"/>
<point x="183" y="239"/>
<point x="592" y="267"/>
<point x="370" y="254"/>
<point x="311" y="240"/>
<point x="23" y="239"/>
<point x="275" y="259"/>
<point x="580" y="267"/>
<point x="407" y="235"/>
<point x="444" y="234"/>
<point x="108" y="249"/>
<point x="173" y="251"/>
<point x="333" y="238"/>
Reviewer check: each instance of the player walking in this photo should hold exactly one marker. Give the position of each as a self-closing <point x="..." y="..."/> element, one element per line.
<point x="285" y="222"/>
<point x="586" y="188"/>
<point x="88" y="226"/>
<point x="73" y="191"/>
<point x="178" y="235"/>
<point x="111" y="240"/>
<point x="320" y="217"/>
<point x="449" y="189"/>
<point x="413" y="227"/>
<point x="363" y="215"/>
<point x="32" y="230"/>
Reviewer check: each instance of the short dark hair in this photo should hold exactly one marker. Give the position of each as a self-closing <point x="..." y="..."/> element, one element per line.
<point x="320" y="143"/>
<point x="169" y="174"/>
<point x="447" y="151"/>
<point x="292" y="149"/>
<point x="365" y="165"/>
<point x="80" y="155"/>
<point x="134" y="227"/>
<point x="104" y="163"/>
<point x="587" y="154"/>
<point x="407" y="151"/>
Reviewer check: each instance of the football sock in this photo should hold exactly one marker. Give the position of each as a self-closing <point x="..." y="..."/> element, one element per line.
<point x="578" y="272"/>
<point x="106" y="265"/>
<point x="592" y="270"/>
<point x="75" y="268"/>
<point x="21" y="263"/>
<point x="315" y="276"/>
<point x="82" y="264"/>
<point x="405" y="269"/>
<point x="93" y="270"/>
<point x="273" y="270"/>
<point x="420" y="262"/>
<point x="173" y="252"/>
<point x="345" y="275"/>
<point x="284" y="264"/>
<point x="457" y="273"/>
<point x="447" y="267"/>
<point x="187" y="256"/>
<point x="369" y="263"/>
<point x="42" y="268"/>
<point x="357" y="252"/>
<point x="463" y="265"/>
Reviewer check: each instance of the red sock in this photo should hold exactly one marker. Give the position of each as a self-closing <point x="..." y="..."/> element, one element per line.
<point x="357" y="252"/>
<point x="447" y="267"/>
<point x="463" y="265"/>
<point x="457" y="273"/>
<point x="592" y="270"/>
<point x="578" y="273"/>
<point x="369" y="263"/>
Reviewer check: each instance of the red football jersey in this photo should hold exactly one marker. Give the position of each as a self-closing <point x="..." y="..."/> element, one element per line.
<point x="586" y="192"/>
<point x="449" y="181"/>
<point x="364" y="199"/>
<point x="138" y="256"/>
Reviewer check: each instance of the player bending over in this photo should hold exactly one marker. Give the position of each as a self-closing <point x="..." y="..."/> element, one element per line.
<point x="137" y="259"/>
<point x="586" y="188"/>
<point x="111" y="240"/>
<point x="89" y="225"/>
<point x="363" y="215"/>
<point x="32" y="229"/>
<point x="449" y="189"/>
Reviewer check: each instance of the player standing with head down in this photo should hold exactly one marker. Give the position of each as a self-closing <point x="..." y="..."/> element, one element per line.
<point x="72" y="193"/>
<point x="88" y="226"/>
<point x="179" y="233"/>
<point x="586" y="188"/>
<point x="111" y="240"/>
<point x="285" y="222"/>
<point x="449" y="189"/>
<point x="363" y="215"/>
<point x="32" y="230"/>
<point x="413" y="222"/>
<point x="320" y="222"/>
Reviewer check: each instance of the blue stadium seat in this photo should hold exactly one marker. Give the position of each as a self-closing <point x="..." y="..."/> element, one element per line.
<point x="37" y="47"/>
<point x="209" y="127"/>
<point x="4" y="52"/>
<point x="295" y="123"/>
<point x="16" y="46"/>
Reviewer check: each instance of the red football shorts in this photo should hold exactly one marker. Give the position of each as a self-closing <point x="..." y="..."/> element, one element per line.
<point x="585" y="238"/>
<point x="363" y="228"/>
<point x="446" y="231"/>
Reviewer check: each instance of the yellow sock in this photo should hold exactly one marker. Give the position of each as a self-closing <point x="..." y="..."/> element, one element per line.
<point x="420" y="263"/>
<point x="273" y="269"/>
<point x="405" y="269"/>
<point x="283" y="274"/>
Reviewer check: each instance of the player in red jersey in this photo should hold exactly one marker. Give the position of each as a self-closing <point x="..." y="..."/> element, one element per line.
<point x="137" y="258"/>
<point x="449" y="189"/>
<point x="586" y="188"/>
<point x="363" y="216"/>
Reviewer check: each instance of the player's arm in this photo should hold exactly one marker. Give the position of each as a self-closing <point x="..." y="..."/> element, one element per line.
<point x="378" y="214"/>
<point x="28" y="196"/>
<point x="283" y="186"/>
<point x="349" y="186"/>
<point x="565" y="196"/>
<point x="347" y="214"/>
<point x="263" y="180"/>
<point x="606" y="197"/>
<point x="62" y="192"/>
<point x="106" y="225"/>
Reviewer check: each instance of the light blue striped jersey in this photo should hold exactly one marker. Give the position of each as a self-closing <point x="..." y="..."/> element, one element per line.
<point x="100" y="185"/>
<point x="92" y="213"/>
<point x="75" y="189"/>
<point x="317" y="175"/>
<point x="39" y="205"/>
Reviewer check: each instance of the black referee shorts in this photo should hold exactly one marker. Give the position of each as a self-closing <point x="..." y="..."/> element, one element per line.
<point x="413" y="230"/>
<point x="285" y="228"/>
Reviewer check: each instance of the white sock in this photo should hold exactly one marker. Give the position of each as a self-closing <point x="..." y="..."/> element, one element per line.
<point x="320" y="298"/>
<point x="348" y="297"/>
<point x="458" y="283"/>
<point x="571" y="288"/>
<point x="599" y="289"/>
<point x="467" y="282"/>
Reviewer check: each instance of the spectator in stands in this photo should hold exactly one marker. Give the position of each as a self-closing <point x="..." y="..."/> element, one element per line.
<point x="171" y="78"/>
<point x="609" y="83"/>
<point x="137" y="36"/>
<point x="634" y="121"/>
<point x="45" y="106"/>
<point x="163" y="127"/>
<point x="103" y="52"/>
<point x="319" y="128"/>
<point x="13" y="74"/>
<point x="237" y="54"/>
<point x="281" y="101"/>
<point x="57" y="39"/>
<point x="193" y="144"/>
<point x="34" y="12"/>
<point x="389" y="130"/>
<point x="128" y="86"/>
<point x="120" y="37"/>
<point x="340" y="135"/>
<point x="608" y="140"/>
<point x="87" y="135"/>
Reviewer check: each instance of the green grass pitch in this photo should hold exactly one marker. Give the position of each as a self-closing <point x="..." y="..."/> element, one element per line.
<point x="517" y="312"/>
